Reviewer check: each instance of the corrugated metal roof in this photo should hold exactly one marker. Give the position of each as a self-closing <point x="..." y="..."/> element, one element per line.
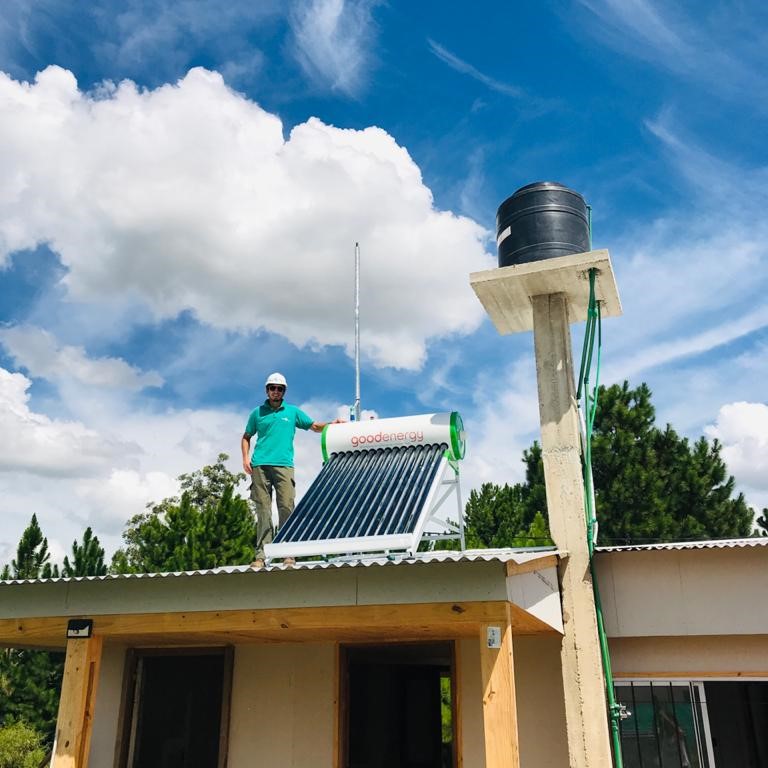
<point x="517" y="555"/>
<point x="711" y="544"/>
<point x="365" y="493"/>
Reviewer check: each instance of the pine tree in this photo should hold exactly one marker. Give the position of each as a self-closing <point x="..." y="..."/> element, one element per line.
<point x="207" y="527"/>
<point x="87" y="558"/>
<point x="30" y="680"/>
<point x="651" y="484"/>
<point x="504" y="516"/>
<point x="227" y="531"/>
<point x="32" y="554"/>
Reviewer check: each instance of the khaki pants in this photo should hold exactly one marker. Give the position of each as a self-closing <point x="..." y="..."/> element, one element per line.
<point x="263" y="480"/>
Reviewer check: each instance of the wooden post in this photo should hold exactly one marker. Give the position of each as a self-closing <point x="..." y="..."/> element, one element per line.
<point x="76" y="704"/>
<point x="499" y="703"/>
<point x="585" y="708"/>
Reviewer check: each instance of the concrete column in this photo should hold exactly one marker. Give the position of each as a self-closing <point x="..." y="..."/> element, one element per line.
<point x="585" y="707"/>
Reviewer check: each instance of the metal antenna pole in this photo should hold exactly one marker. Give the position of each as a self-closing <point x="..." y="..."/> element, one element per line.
<point x="357" y="331"/>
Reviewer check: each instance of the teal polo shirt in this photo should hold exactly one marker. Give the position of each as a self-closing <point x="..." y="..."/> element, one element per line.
<point x="274" y="430"/>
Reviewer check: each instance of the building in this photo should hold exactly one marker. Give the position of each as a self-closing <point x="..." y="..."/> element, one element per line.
<point x="444" y="659"/>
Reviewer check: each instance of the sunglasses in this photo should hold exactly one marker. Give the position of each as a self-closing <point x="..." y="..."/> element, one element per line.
<point x="276" y="388"/>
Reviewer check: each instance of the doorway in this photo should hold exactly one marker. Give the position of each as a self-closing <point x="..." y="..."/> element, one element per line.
<point x="398" y="706"/>
<point x="738" y="720"/>
<point x="177" y="708"/>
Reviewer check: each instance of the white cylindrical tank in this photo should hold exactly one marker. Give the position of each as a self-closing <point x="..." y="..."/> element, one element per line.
<point x="427" y="429"/>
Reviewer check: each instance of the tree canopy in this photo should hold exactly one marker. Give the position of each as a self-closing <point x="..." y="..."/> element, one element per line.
<point x="651" y="484"/>
<point x="20" y="746"/>
<point x="207" y="527"/>
<point x="30" y="680"/>
<point x="32" y="556"/>
<point x="87" y="557"/>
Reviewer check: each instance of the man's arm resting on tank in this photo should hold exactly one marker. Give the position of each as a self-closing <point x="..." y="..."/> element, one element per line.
<point x="319" y="426"/>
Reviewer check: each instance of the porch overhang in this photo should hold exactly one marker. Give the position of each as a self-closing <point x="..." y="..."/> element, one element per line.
<point x="445" y="597"/>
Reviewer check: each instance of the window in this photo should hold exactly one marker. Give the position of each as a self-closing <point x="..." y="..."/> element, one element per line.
<point x="690" y="724"/>
<point x="667" y="726"/>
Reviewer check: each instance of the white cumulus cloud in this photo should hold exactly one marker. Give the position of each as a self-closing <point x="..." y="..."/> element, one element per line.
<point x="35" y="443"/>
<point x="113" y="500"/>
<point x="188" y="197"/>
<point x="39" y="352"/>
<point x="742" y="428"/>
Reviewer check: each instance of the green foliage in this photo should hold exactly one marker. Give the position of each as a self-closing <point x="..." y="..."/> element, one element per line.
<point x="446" y="709"/>
<point x="87" y="558"/>
<point x="762" y="524"/>
<point x="20" y="746"/>
<point x="209" y="526"/>
<point x="510" y="515"/>
<point x="651" y="485"/>
<point x="30" y="680"/>
<point x="499" y="516"/>
<point x="32" y="556"/>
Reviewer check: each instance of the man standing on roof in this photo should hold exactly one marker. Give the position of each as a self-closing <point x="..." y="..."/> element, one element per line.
<point x="271" y="464"/>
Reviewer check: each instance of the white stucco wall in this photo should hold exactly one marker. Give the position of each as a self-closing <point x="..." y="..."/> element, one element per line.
<point x="674" y="593"/>
<point x="699" y="657"/>
<point x="283" y="703"/>
<point x="471" y="706"/>
<point x="540" y="701"/>
<point x="107" y="709"/>
<point x="282" y="706"/>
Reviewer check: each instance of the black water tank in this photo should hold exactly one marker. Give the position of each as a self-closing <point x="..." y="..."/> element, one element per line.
<point x="541" y="221"/>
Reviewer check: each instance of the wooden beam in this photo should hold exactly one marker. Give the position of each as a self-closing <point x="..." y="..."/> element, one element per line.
<point x="341" y="708"/>
<point x="456" y="707"/>
<point x="499" y="700"/>
<point x="689" y="674"/>
<point x="539" y="564"/>
<point x="346" y="624"/>
<point x="78" y="697"/>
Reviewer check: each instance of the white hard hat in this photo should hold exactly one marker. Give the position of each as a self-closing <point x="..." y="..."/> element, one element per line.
<point x="276" y="378"/>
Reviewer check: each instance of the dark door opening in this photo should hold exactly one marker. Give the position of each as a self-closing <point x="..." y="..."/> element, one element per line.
<point x="738" y="719"/>
<point x="399" y="706"/>
<point x="175" y="716"/>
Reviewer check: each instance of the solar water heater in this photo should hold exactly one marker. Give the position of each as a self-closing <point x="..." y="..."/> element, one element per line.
<point x="381" y="486"/>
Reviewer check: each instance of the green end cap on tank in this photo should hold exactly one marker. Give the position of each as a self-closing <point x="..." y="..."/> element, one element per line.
<point x="458" y="437"/>
<point x="323" y="446"/>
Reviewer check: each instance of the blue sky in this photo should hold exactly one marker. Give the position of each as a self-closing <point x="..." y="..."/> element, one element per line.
<point x="184" y="183"/>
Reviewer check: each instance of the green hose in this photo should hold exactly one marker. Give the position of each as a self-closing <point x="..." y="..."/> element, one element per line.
<point x="615" y="710"/>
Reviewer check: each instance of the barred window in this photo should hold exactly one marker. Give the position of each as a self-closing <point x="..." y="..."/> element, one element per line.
<point x="667" y="727"/>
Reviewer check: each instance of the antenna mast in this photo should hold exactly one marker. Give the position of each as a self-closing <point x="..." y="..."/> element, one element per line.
<point x="357" y="332"/>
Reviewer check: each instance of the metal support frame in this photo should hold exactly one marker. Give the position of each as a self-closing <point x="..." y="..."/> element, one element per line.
<point x="447" y="475"/>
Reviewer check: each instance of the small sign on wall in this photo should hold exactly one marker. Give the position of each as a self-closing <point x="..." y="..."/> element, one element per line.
<point x="494" y="637"/>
